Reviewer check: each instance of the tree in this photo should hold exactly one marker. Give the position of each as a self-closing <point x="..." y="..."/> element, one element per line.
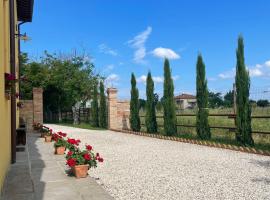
<point x="228" y="99"/>
<point x="67" y="81"/>
<point x="215" y="100"/>
<point x="243" y="107"/>
<point x="150" y="118"/>
<point x="102" y="107"/>
<point x="95" y="110"/>
<point x="142" y="104"/>
<point x="263" y="103"/>
<point x="135" y="123"/>
<point x="168" y="101"/>
<point x="202" y="125"/>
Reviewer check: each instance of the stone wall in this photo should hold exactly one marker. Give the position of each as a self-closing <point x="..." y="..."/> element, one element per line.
<point x="32" y="110"/>
<point x="118" y="111"/>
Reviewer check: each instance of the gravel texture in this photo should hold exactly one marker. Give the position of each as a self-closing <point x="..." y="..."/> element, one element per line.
<point x="137" y="167"/>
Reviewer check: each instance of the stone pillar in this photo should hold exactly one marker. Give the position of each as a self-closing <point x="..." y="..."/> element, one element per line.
<point x="38" y="105"/>
<point x="112" y="108"/>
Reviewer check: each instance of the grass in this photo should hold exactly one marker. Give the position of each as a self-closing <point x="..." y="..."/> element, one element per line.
<point x="82" y="125"/>
<point x="220" y="135"/>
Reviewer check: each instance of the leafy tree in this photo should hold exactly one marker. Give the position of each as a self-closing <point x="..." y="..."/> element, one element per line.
<point x="156" y="98"/>
<point x="228" y="99"/>
<point x="150" y="118"/>
<point x="95" y="110"/>
<point x="215" y="100"/>
<point x="67" y="80"/>
<point x="102" y="109"/>
<point x="168" y="101"/>
<point x="243" y="111"/>
<point x="263" y="103"/>
<point x="202" y="125"/>
<point x="135" y="123"/>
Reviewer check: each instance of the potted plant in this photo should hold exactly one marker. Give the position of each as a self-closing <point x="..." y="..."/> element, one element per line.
<point x="80" y="161"/>
<point x="44" y="131"/>
<point x="48" y="136"/>
<point x="60" y="142"/>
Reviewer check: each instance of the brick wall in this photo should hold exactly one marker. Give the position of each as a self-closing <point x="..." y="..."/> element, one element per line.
<point x="118" y="111"/>
<point x="32" y="110"/>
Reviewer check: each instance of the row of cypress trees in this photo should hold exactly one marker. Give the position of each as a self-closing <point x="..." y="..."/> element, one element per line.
<point x="243" y="112"/>
<point x="98" y="107"/>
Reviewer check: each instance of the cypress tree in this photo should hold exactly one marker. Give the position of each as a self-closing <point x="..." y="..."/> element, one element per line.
<point x="135" y="123"/>
<point x="202" y="125"/>
<point x="243" y="111"/>
<point x="150" y="118"/>
<point x="102" y="107"/>
<point x="168" y="101"/>
<point x="95" y="119"/>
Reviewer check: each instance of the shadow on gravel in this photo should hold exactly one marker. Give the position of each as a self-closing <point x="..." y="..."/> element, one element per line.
<point x="265" y="164"/>
<point x="264" y="180"/>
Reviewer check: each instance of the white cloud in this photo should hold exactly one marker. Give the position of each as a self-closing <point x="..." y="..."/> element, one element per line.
<point x="138" y="43"/>
<point x="110" y="67"/>
<point x="112" y="80"/>
<point x="267" y="63"/>
<point x="255" y="72"/>
<point x="165" y="53"/>
<point x="258" y="70"/>
<point x="103" y="48"/>
<point x="176" y="77"/>
<point x="156" y="79"/>
<point x="228" y="74"/>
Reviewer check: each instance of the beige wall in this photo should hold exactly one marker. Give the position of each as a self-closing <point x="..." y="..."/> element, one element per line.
<point x="5" y="106"/>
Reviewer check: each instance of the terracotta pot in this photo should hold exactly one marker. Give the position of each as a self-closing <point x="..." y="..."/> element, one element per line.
<point x="48" y="138"/>
<point x="80" y="171"/>
<point x="60" y="150"/>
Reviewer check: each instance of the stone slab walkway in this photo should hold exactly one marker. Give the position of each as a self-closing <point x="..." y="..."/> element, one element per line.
<point x="38" y="174"/>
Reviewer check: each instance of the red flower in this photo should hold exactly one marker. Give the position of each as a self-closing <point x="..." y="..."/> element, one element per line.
<point x="89" y="147"/>
<point x="97" y="155"/>
<point x="87" y="156"/>
<point x="70" y="153"/>
<point x="71" y="162"/>
<point x="100" y="160"/>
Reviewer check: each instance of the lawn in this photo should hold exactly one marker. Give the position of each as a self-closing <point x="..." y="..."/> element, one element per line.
<point x="219" y="135"/>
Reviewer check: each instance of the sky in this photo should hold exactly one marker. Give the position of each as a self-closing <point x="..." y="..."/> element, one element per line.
<point x="127" y="36"/>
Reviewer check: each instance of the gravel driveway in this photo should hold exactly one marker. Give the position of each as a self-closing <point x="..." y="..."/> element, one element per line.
<point x="137" y="167"/>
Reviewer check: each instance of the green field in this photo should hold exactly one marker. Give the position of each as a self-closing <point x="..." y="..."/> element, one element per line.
<point x="221" y="135"/>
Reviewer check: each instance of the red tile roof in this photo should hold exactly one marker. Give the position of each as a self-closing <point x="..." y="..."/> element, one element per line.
<point x="185" y="96"/>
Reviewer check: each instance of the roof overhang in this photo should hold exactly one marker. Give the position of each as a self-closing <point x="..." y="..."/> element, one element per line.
<point x="25" y="10"/>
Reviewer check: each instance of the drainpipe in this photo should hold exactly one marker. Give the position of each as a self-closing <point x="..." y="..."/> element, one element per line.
<point x="13" y="71"/>
<point x="19" y="49"/>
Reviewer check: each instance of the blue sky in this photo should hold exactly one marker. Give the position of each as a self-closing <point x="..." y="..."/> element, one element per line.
<point x="127" y="36"/>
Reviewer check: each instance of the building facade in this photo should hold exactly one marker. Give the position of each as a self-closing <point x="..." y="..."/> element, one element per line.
<point x="13" y="13"/>
<point x="185" y="101"/>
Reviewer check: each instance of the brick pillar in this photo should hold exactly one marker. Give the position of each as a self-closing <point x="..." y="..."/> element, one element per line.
<point x="38" y="105"/>
<point x="112" y="108"/>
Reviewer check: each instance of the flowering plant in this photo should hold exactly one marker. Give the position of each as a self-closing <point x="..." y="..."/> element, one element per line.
<point x="37" y="126"/>
<point x="76" y="156"/>
<point x="59" y="139"/>
<point x="10" y="80"/>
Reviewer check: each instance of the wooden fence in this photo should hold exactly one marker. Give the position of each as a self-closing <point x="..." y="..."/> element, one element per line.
<point x="229" y="116"/>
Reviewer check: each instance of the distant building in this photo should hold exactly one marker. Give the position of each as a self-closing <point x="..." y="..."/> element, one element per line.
<point x="185" y="101"/>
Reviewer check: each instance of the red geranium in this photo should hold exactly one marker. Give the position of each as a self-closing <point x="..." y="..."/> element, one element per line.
<point x="70" y="153"/>
<point x="100" y="159"/>
<point x="89" y="147"/>
<point x="87" y="156"/>
<point x="71" y="162"/>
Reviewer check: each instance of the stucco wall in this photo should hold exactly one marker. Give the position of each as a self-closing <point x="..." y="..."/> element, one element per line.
<point x="5" y="107"/>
